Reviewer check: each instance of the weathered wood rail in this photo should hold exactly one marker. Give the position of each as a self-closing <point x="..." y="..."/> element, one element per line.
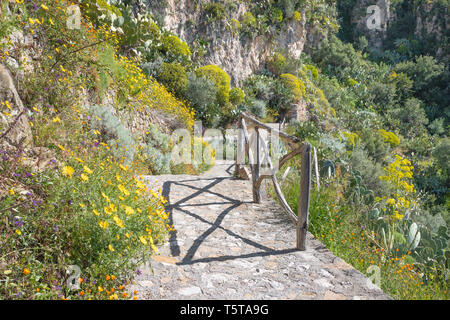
<point x="256" y="155"/>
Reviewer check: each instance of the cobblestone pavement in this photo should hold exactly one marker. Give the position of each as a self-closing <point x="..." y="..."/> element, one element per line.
<point x="226" y="247"/>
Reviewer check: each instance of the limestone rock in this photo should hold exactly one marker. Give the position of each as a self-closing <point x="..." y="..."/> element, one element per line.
<point x="237" y="55"/>
<point x="16" y="125"/>
<point x="298" y="112"/>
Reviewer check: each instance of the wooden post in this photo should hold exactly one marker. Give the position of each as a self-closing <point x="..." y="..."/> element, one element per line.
<point x="240" y="152"/>
<point x="256" y="186"/>
<point x="316" y="165"/>
<point x="304" y="197"/>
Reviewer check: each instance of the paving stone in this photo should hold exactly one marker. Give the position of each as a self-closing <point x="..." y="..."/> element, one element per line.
<point x="190" y="291"/>
<point x="240" y="250"/>
<point x="330" y="295"/>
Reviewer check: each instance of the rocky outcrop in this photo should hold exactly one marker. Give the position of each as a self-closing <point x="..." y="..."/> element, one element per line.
<point x="14" y="126"/>
<point x="298" y="112"/>
<point x="378" y="20"/>
<point x="433" y="23"/>
<point x="371" y="19"/>
<point x="237" y="54"/>
<point x="16" y="137"/>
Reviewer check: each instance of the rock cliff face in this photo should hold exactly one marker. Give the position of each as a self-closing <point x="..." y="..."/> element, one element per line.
<point x="433" y="22"/>
<point x="427" y="20"/>
<point x="237" y="54"/>
<point x="371" y="19"/>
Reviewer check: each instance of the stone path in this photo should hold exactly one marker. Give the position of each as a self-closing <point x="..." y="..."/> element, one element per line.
<point x="226" y="247"/>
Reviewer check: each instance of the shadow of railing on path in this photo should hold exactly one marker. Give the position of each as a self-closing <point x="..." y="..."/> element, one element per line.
<point x="181" y="205"/>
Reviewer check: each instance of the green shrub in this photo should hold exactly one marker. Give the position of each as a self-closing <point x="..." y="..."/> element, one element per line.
<point x="276" y="15"/>
<point x="174" y="48"/>
<point x="442" y="155"/>
<point x="411" y="118"/>
<point x="296" y="86"/>
<point x="297" y="16"/>
<point x="221" y="80"/>
<point x="276" y="64"/>
<point x="174" y="77"/>
<point x="258" y="108"/>
<point x="237" y="96"/>
<point x="375" y="144"/>
<point x="202" y="94"/>
<point x="156" y="152"/>
<point x="369" y="170"/>
<point x="214" y="11"/>
<point x="112" y="131"/>
<point x="309" y="68"/>
<point x="248" y="24"/>
<point x="390" y="137"/>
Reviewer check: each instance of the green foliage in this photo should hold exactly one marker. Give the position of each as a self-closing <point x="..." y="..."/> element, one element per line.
<point x="221" y="80"/>
<point x="276" y="64"/>
<point x="237" y="96"/>
<point x="312" y="70"/>
<point x="296" y="86"/>
<point x="214" y="11"/>
<point x="390" y="137"/>
<point x="174" y="77"/>
<point x="441" y="155"/>
<point x="157" y="151"/>
<point x="369" y="170"/>
<point x="429" y="83"/>
<point x="411" y="118"/>
<point x="277" y="95"/>
<point x="297" y="16"/>
<point x="174" y="48"/>
<point x="306" y="131"/>
<point x="202" y="94"/>
<point x="248" y="24"/>
<point x="258" y="108"/>
<point x="113" y="132"/>
<point x="376" y="145"/>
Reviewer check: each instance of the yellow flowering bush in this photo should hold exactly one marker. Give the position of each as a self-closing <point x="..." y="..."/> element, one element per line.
<point x="396" y="208"/>
<point x="143" y="92"/>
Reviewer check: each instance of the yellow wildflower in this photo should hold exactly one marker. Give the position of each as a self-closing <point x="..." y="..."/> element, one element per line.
<point x="129" y="210"/>
<point x="103" y="224"/>
<point x="118" y="221"/>
<point x="123" y="190"/>
<point x="142" y="239"/>
<point x="68" y="171"/>
<point x="390" y="202"/>
<point x="87" y="170"/>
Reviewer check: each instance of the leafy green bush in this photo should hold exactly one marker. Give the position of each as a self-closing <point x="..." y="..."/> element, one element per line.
<point x="113" y="132"/>
<point x="442" y="155"/>
<point x="258" y="108"/>
<point x="411" y="118"/>
<point x="202" y="94"/>
<point x="248" y="24"/>
<point x="296" y="86"/>
<point x="175" y="49"/>
<point x="369" y="170"/>
<point x="237" y="96"/>
<point x="221" y="80"/>
<point x="156" y="152"/>
<point x="174" y="77"/>
<point x="276" y="64"/>
<point x="214" y="11"/>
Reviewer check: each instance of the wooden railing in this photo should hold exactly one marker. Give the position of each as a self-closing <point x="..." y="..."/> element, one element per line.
<point x="296" y="147"/>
